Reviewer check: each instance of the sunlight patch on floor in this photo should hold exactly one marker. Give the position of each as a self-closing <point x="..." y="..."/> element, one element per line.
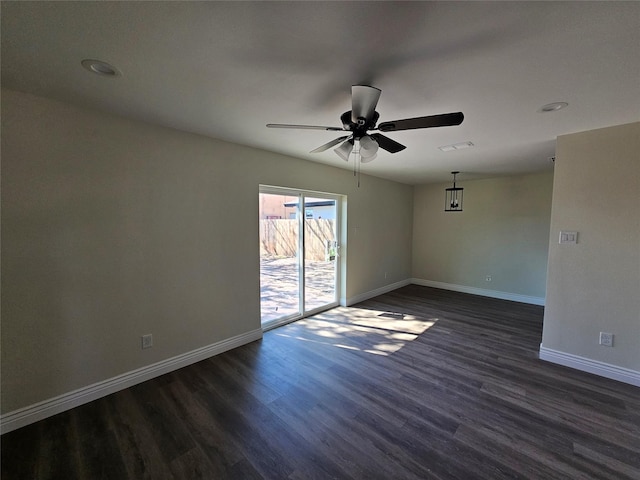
<point x="372" y="331"/>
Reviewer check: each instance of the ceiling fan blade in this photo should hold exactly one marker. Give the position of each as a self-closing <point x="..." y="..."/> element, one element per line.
<point x="363" y="102"/>
<point x="328" y="145"/>
<point x="387" y="144"/>
<point x="444" y="120"/>
<point x="305" y="127"/>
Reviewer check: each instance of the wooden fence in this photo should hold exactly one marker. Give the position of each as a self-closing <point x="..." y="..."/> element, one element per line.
<point x="279" y="238"/>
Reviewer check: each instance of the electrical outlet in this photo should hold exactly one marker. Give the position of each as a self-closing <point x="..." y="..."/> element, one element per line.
<point x="147" y="341"/>
<point x="488" y="278"/>
<point x="606" y="339"/>
<point x="385" y="274"/>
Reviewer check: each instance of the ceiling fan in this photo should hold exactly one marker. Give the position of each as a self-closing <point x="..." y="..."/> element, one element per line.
<point x="362" y="118"/>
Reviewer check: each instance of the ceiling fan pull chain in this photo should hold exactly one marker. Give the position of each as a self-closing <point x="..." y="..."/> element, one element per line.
<point x="354" y="165"/>
<point x="357" y="159"/>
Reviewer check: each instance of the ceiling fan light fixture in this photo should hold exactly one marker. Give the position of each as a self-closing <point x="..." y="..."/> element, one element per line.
<point x="344" y="150"/>
<point x="368" y="148"/>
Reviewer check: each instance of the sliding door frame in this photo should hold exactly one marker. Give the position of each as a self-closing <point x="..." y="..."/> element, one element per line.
<point x="340" y="262"/>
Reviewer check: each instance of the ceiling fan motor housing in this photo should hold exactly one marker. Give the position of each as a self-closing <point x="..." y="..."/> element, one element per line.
<point x="360" y="127"/>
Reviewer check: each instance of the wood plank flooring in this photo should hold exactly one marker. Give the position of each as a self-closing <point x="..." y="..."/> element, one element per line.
<point x="419" y="383"/>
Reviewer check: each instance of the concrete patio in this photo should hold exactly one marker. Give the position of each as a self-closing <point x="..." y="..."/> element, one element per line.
<point x="279" y="286"/>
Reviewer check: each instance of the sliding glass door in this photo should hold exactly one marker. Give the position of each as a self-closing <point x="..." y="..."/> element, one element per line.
<point x="320" y="252"/>
<point x="299" y="254"/>
<point x="280" y="261"/>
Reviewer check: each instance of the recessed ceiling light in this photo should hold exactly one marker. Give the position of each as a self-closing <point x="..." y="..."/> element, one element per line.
<point x="553" y="107"/>
<point x="456" y="146"/>
<point x="100" y="68"/>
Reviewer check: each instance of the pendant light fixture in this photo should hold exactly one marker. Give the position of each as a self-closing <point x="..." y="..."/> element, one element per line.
<point x="453" y="197"/>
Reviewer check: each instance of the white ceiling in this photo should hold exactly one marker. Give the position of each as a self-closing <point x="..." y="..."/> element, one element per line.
<point x="225" y="69"/>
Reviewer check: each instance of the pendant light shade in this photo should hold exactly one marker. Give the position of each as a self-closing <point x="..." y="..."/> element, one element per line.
<point x="344" y="150"/>
<point x="368" y="148"/>
<point x="453" y="197"/>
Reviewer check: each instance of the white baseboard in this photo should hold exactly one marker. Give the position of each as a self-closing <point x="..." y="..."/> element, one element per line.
<point x="514" y="297"/>
<point x="374" y="293"/>
<point x="24" y="416"/>
<point x="596" y="367"/>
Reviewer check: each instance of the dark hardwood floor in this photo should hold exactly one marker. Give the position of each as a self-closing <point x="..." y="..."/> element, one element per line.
<point x="415" y="384"/>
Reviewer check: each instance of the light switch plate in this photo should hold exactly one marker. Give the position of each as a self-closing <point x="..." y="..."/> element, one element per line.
<point x="568" y="237"/>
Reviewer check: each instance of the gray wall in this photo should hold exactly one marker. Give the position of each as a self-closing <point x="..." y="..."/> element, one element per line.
<point x="503" y="231"/>
<point x="113" y="228"/>
<point x="594" y="286"/>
